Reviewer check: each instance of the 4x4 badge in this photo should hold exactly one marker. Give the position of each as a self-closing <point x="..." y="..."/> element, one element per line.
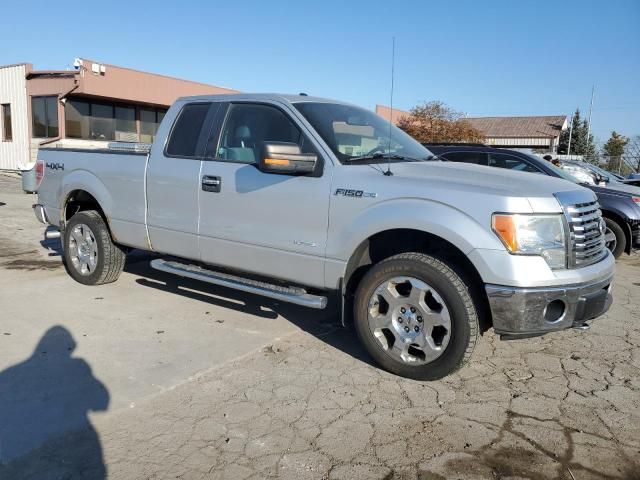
<point x="55" y="166"/>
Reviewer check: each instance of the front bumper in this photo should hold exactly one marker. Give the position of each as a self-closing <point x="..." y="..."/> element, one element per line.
<point x="525" y="312"/>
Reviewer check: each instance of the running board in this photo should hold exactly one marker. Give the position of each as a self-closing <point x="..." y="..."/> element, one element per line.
<point x="298" y="296"/>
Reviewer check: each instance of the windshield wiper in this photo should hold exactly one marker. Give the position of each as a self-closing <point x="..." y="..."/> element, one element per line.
<point x="373" y="156"/>
<point x="386" y="156"/>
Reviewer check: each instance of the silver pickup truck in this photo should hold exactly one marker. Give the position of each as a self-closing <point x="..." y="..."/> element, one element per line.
<point x="295" y="198"/>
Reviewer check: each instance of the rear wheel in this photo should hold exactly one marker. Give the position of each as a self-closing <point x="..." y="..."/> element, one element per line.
<point x="415" y="317"/>
<point x="90" y="255"/>
<point x="614" y="237"/>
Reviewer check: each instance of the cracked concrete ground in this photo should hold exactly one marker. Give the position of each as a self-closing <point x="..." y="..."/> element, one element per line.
<point x="309" y="404"/>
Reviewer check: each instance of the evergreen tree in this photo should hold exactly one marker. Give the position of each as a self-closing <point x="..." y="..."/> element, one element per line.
<point x="581" y="141"/>
<point x="614" y="149"/>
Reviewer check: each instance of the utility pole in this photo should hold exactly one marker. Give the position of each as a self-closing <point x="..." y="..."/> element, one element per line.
<point x="570" y="134"/>
<point x="593" y="89"/>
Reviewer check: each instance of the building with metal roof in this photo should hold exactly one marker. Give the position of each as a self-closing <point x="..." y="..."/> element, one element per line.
<point x="536" y="132"/>
<point x="540" y="133"/>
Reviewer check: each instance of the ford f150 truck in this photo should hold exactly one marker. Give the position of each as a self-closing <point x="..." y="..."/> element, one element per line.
<point x="294" y="198"/>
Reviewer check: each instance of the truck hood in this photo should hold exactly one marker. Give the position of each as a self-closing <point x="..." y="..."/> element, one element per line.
<point x="477" y="190"/>
<point x="497" y="181"/>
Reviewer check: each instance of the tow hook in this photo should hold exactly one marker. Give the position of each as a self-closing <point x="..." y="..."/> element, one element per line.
<point x="581" y="326"/>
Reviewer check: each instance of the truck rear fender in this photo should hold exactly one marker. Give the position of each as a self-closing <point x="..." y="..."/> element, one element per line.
<point x="85" y="181"/>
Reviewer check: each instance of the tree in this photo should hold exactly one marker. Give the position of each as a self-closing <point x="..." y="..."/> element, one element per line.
<point x="581" y="141"/>
<point x="435" y="122"/>
<point x="632" y="153"/>
<point x="614" y="149"/>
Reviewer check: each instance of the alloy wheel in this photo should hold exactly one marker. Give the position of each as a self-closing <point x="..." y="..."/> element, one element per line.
<point x="410" y="320"/>
<point x="83" y="249"/>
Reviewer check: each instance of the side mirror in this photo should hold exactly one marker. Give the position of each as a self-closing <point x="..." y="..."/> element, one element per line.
<point x="285" y="158"/>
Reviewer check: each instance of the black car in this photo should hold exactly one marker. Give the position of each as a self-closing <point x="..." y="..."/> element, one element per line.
<point x="620" y="204"/>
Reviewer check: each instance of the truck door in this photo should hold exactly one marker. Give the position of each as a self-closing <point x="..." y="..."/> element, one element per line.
<point x="265" y="223"/>
<point x="173" y="179"/>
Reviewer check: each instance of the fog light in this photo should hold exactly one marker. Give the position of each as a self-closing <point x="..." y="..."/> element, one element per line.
<point x="554" y="311"/>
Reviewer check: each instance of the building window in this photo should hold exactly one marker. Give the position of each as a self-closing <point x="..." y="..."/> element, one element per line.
<point x="44" y="111"/>
<point x="7" y="132"/>
<point x="110" y="121"/>
<point x="77" y="116"/>
<point x="126" y="124"/>
<point x="148" y="124"/>
<point x="103" y="122"/>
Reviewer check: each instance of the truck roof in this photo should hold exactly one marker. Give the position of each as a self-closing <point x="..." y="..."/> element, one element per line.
<point x="290" y="98"/>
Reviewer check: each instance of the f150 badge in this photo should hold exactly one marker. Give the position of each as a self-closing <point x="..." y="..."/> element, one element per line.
<point x="354" y="193"/>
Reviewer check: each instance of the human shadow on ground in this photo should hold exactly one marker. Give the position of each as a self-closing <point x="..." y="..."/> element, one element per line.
<point x="45" y="431"/>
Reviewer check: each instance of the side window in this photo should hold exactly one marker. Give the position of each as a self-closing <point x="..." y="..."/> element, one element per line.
<point x="247" y="126"/>
<point x="511" y="162"/>
<point x="477" y="158"/>
<point x="186" y="130"/>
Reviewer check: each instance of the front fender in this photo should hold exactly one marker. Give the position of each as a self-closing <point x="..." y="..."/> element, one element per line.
<point x="623" y="207"/>
<point x="442" y="220"/>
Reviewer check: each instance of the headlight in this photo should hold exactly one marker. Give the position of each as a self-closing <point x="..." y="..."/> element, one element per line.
<point x="533" y="235"/>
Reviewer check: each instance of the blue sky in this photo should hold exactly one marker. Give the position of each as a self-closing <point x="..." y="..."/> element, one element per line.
<point x="481" y="57"/>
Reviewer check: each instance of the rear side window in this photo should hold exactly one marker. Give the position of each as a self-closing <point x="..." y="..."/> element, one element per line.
<point x="186" y="130"/>
<point x="477" y="158"/>
<point x="510" y="162"/>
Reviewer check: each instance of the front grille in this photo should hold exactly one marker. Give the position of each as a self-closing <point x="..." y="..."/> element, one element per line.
<point x="587" y="245"/>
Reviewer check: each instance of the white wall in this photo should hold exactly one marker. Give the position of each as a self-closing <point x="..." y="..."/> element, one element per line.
<point x="13" y="90"/>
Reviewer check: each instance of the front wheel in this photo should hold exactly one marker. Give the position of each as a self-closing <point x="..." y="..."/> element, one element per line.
<point x="614" y="238"/>
<point x="415" y="317"/>
<point x="90" y="255"/>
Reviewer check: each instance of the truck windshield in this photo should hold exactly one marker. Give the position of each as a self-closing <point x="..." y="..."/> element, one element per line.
<point x="358" y="135"/>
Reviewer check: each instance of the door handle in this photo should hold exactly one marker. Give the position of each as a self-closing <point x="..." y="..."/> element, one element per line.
<point x="211" y="184"/>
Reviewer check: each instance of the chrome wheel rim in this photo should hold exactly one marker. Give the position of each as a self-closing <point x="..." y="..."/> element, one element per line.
<point x="409" y="320"/>
<point x="83" y="249"/>
<point x="610" y="240"/>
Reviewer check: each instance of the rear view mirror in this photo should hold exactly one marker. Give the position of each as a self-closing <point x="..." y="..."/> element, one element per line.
<point x="285" y="158"/>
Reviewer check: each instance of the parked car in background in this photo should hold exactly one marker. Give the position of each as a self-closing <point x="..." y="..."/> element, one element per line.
<point x="303" y="199"/>
<point x="609" y="177"/>
<point x="602" y="176"/>
<point x="581" y="173"/>
<point x="620" y="203"/>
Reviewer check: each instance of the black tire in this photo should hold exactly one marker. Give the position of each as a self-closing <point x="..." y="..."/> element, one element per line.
<point x="450" y="287"/>
<point x="110" y="258"/>
<point x="620" y="245"/>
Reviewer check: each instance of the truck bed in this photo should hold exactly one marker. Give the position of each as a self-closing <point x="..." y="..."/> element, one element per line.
<point x="115" y="177"/>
